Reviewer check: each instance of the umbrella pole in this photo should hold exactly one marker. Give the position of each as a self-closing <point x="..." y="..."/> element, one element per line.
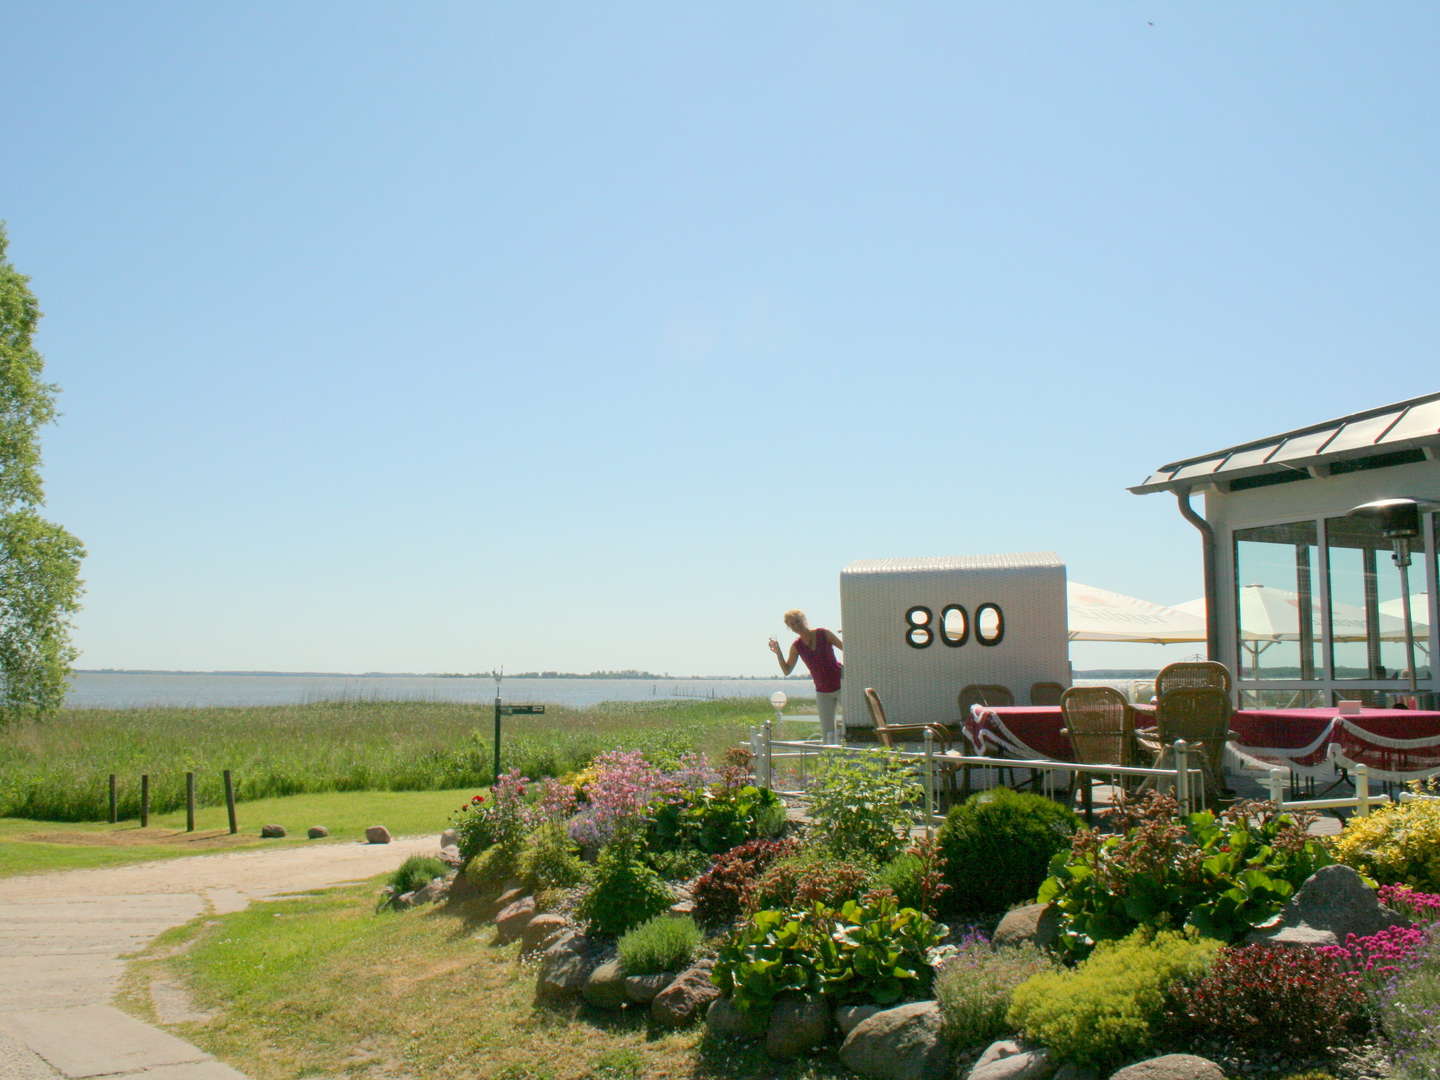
<point x="1402" y="560"/>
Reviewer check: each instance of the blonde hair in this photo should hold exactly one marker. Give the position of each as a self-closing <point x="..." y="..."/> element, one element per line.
<point x="797" y="615"/>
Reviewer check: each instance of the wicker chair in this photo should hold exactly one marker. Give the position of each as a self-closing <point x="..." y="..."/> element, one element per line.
<point x="1193" y="673"/>
<point x="1201" y="716"/>
<point x="887" y="732"/>
<point x="983" y="694"/>
<point x="1101" y="727"/>
<point x="1046" y="693"/>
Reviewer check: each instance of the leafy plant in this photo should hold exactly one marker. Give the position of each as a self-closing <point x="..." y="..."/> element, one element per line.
<point x="974" y="986"/>
<point x="664" y="943"/>
<point x="472" y="828"/>
<point x="623" y="892"/>
<point x="622" y="785"/>
<point x="1222" y="875"/>
<point x="720" y="892"/>
<point x="714" y="819"/>
<point x="550" y="859"/>
<point x="1112" y="1007"/>
<point x="874" y="953"/>
<point x="1397" y="844"/>
<point x="1273" y="998"/>
<point x="1407" y="1015"/>
<point x="808" y="876"/>
<point x="997" y="847"/>
<point x="864" y="806"/>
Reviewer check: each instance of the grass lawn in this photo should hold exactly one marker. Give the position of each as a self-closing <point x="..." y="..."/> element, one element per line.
<point x="322" y="986"/>
<point x="34" y="846"/>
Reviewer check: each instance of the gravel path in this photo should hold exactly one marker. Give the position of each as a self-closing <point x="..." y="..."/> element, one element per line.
<point x="62" y="936"/>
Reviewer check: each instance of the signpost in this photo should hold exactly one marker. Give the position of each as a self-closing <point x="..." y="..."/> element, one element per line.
<point x="508" y="710"/>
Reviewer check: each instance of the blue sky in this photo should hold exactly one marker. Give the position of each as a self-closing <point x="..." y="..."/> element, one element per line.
<point x="597" y="335"/>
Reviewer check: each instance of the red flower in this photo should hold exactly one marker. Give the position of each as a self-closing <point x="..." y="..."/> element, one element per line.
<point x="477" y="800"/>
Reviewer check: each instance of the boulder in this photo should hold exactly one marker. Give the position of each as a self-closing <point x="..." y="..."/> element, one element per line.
<point x="683" y="907"/>
<point x="1172" y="1067"/>
<point x="461" y="889"/>
<point x="605" y="988"/>
<point x="564" y="969"/>
<point x="1071" y="1071"/>
<point x="1332" y="903"/>
<point x="1001" y="1048"/>
<point x="404" y="901"/>
<point x="797" y="1023"/>
<point x="509" y="895"/>
<point x="728" y="1021"/>
<point x="643" y="989"/>
<point x="449" y="838"/>
<point x="848" y="1016"/>
<point x="450" y="856"/>
<point x="377" y="834"/>
<point x="431" y="893"/>
<point x="903" y="1043"/>
<point x="1026" y="1065"/>
<point x="1037" y="923"/>
<point x="513" y="919"/>
<point x="686" y="998"/>
<point x="540" y="929"/>
<point x="315" y="832"/>
<point x="272" y="832"/>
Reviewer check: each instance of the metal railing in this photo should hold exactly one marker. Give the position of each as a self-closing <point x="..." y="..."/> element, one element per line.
<point x="767" y="750"/>
<point x="1361" y="802"/>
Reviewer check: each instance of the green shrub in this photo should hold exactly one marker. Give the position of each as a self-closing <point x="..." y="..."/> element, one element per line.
<point x="902" y="877"/>
<point x="415" y="872"/>
<point x="472" y="828"/>
<point x="809" y="876"/>
<point x="1111" y="1008"/>
<point x="491" y="869"/>
<point x="550" y="859"/>
<point x="866" y="953"/>
<point x="721" y="891"/>
<point x="864" y="806"/>
<point x="1398" y="844"/>
<point x="664" y="943"/>
<point x="624" y="892"/>
<point x="974" y="987"/>
<point x="997" y="848"/>
<point x="1222" y="874"/>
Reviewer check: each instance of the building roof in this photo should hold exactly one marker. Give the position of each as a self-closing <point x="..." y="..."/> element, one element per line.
<point x="1405" y="430"/>
<point x="1028" y="560"/>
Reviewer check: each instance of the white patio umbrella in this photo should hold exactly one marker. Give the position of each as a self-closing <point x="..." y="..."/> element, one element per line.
<point x="1101" y="615"/>
<point x="1419" y="610"/>
<point x="1268" y="614"/>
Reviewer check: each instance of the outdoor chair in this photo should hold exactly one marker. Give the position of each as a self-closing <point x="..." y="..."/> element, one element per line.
<point x="1201" y="716"/>
<point x="1101" y="728"/>
<point x="1046" y="693"/>
<point x="983" y="694"/>
<point x="1193" y="673"/>
<point x="887" y="733"/>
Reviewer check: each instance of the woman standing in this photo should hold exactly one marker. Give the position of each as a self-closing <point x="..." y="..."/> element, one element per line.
<point x="817" y="648"/>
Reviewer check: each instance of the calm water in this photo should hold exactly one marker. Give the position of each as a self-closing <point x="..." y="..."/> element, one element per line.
<point x="120" y="691"/>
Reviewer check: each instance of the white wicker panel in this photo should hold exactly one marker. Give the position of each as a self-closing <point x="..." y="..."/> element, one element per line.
<point x="922" y="685"/>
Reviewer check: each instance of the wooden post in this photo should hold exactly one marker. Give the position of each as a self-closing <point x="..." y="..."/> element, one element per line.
<point x="230" y="802"/>
<point x="144" y="800"/>
<point x="189" y="802"/>
<point x="114" y="802"/>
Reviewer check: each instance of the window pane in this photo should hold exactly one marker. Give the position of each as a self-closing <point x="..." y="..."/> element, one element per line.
<point x="1367" y="607"/>
<point x="1278" y="622"/>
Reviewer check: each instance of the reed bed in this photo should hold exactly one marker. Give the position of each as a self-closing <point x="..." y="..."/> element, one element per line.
<point x="58" y="770"/>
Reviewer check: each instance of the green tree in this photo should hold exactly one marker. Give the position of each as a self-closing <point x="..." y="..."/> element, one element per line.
<point x="39" y="561"/>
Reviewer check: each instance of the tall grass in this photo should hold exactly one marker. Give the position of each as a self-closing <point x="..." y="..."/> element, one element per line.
<point x="58" y="770"/>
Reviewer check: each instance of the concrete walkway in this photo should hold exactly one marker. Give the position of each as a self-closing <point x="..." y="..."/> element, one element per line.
<point x="63" y="936"/>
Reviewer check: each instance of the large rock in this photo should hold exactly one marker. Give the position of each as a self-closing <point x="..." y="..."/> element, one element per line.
<point x="449" y="838"/>
<point x="605" y="988"/>
<point x="316" y="832"/>
<point x="513" y="919"/>
<point x="797" y="1023"/>
<point x="272" y="832"/>
<point x="461" y="889"/>
<point x="903" y="1043"/>
<point x="728" y="1021"/>
<point x="432" y="893"/>
<point x="1024" y="1065"/>
<point x="847" y="1017"/>
<point x="539" y="931"/>
<point x="450" y="856"/>
<point x="377" y="834"/>
<point x="1332" y="903"/>
<point x="564" y="969"/>
<point x="686" y="998"/>
<point x="643" y="989"/>
<point x="1037" y="923"/>
<point x="1172" y="1067"/>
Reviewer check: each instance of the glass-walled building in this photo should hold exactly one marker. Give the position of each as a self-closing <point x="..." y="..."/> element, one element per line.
<point x="1305" y="601"/>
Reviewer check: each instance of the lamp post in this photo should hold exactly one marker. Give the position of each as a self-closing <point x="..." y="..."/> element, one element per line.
<point x="1399" y="521"/>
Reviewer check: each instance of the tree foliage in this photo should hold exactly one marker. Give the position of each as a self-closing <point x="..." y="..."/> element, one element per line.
<point x="39" y="561"/>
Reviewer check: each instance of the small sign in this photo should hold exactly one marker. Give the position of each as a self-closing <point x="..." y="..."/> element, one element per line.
<point x="519" y="710"/>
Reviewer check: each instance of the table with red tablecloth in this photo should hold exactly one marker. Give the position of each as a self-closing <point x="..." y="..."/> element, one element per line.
<point x="1395" y="744"/>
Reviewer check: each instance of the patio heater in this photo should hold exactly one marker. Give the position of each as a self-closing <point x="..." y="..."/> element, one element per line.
<point x="1399" y="521"/>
